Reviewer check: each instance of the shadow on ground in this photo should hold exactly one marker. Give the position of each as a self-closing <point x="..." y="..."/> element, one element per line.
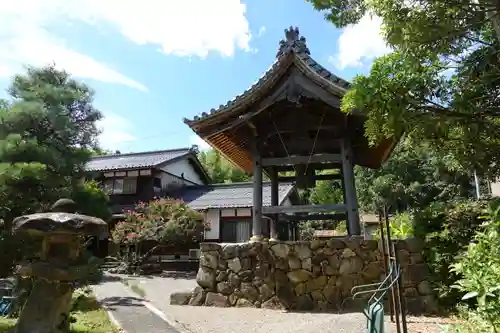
<point x="111" y="302"/>
<point x="178" y="275"/>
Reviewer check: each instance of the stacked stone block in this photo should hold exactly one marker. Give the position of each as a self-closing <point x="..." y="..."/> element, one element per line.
<point x="315" y="275"/>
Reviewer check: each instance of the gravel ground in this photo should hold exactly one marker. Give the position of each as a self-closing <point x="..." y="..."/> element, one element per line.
<point x="249" y="320"/>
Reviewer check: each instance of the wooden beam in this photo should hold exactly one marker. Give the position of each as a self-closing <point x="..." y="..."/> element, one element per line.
<point x="304" y="209"/>
<point x="315" y="90"/>
<point x="257" y="195"/>
<point x="351" y="202"/>
<point x="277" y="95"/>
<point x="315" y="166"/>
<point x="298" y="145"/>
<point x="314" y="217"/>
<point x="293" y="160"/>
<point x="273" y="231"/>
<point x="315" y="178"/>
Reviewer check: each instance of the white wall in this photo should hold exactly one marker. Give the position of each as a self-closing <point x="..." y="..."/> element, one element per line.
<point x="183" y="166"/>
<point x="169" y="182"/>
<point x="212" y="218"/>
<point x="495" y="189"/>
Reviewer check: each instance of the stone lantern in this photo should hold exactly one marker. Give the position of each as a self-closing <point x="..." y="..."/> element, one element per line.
<point x="56" y="265"/>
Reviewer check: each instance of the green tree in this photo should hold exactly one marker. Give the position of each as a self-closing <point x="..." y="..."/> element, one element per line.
<point x="47" y="133"/>
<point x="326" y="192"/>
<point x="441" y="81"/>
<point x="47" y="130"/>
<point x="414" y="177"/>
<point x="91" y="200"/>
<point x="219" y="169"/>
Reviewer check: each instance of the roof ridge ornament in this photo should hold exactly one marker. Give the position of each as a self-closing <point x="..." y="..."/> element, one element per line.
<point x="293" y="42"/>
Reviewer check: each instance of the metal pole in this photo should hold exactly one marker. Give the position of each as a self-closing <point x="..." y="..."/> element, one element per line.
<point x="386" y="258"/>
<point x="478" y="188"/>
<point x="391" y="257"/>
<point x="399" y="286"/>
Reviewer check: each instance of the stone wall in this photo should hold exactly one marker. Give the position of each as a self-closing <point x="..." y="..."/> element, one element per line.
<point x="316" y="275"/>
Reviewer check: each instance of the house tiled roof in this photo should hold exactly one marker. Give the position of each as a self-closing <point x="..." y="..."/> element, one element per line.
<point x="135" y="160"/>
<point x="293" y="44"/>
<point x="369" y="219"/>
<point x="235" y="195"/>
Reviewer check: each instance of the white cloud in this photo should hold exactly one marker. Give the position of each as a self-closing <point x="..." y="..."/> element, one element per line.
<point x="25" y="39"/>
<point x="183" y="28"/>
<point x="360" y="44"/>
<point x="180" y="27"/>
<point x="262" y="31"/>
<point x="196" y="140"/>
<point x="115" y="131"/>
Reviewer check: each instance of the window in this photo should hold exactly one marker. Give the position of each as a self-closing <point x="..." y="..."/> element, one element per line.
<point x="157" y="182"/>
<point x="236" y="231"/>
<point x="121" y="185"/>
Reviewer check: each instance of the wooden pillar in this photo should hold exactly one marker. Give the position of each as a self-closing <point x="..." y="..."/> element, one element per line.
<point x="351" y="201"/>
<point x="257" y="197"/>
<point x="273" y="226"/>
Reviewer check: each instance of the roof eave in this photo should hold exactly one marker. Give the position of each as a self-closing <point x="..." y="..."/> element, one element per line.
<point x="263" y="84"/>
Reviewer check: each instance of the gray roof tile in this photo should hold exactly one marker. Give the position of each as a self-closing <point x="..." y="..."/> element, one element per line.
<point x="229" y="195"/>
<point x="293" y="43"/>
<point x="134" y="160"/>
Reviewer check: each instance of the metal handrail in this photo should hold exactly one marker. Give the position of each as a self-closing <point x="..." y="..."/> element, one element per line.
<point x="379" y="284"/>
<point x="381" y="289"/>
<point x="396" y="277"/>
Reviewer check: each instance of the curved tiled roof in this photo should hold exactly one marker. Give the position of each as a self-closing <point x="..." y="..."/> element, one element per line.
<point x="233" y="195"/>
<point x="134" y="160"/>
<point x="292" y="45"/>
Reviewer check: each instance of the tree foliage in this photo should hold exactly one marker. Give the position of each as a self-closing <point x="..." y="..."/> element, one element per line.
<point x="441" y="80"/>
<point x="415" y="176"/>
<point x="47" y="133"/>
<point x="479" y="269"/>
<point x="46" y="130"/>
<point x="91" y="200"/>
<point x="219" y="169"/>
<point x="447" y="229"/>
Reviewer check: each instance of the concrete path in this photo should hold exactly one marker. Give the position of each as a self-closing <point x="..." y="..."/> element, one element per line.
<point x="133" y="314"/>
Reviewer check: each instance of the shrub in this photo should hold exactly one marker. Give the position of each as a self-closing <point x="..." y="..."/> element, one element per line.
<point x="479" y="268"/>
<point x="447" y="229"/>
<point x="92" y="200"/>
<point x="401" y="226"/>
<point x="161" y="220"/>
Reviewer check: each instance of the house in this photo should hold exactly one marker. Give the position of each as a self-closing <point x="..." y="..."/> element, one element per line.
<point x="371" y="225"/>
<point x="228" y="209"/>
<point x="495" y="189"/>
<point x="177" y="173"/>
<point x="130" y="178"/>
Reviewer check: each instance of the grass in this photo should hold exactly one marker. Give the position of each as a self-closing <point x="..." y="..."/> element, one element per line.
<point x="135" y="288"/>
<point x="89" y="317"/>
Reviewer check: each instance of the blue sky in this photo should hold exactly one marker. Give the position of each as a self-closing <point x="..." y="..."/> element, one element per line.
<point x="153" y="62"/>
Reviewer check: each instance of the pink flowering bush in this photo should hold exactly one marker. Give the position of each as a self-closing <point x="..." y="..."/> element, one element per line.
<point x="162" y="220"/>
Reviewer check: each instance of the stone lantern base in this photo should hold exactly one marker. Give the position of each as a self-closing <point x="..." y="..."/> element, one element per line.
<point x="47" y="308"/>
